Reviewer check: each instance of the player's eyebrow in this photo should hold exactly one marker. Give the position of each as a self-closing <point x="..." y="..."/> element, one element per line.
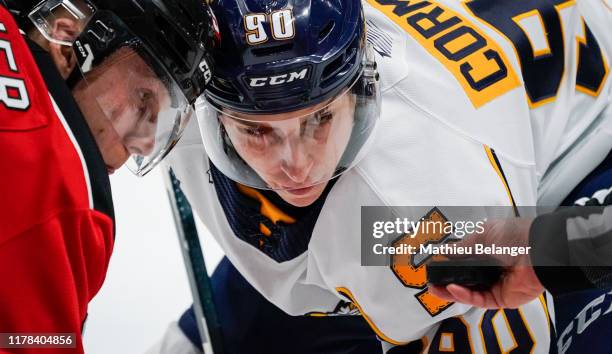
<point x="251" y="123"/>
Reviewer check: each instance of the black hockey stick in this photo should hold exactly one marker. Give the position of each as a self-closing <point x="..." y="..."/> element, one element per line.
<point x="201" y="290"/>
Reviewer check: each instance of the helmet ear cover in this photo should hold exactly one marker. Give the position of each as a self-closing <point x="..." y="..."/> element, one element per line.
<point x="61" y="21"/>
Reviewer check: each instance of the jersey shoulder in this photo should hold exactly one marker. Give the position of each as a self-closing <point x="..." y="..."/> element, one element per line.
<point x="437" y="59"/>
<point x="21" y="105"/>
<point x="441" y="38"/>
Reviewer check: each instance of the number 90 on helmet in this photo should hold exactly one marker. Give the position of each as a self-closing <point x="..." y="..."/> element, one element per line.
<point x="295" y="98"/>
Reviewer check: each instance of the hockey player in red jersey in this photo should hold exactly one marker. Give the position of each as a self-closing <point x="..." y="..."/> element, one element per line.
<point x="84" y="85"/>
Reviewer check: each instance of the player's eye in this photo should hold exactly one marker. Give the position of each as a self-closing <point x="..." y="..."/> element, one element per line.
<point x="324" y="117"/>
<point x="316" y="125"/>
<point x="145" y="103"/>
<point x="256" y="131"/>
<point x="260" y="137"/>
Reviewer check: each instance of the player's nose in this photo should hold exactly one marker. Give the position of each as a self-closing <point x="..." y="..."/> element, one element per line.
<point x="296" y="162"/>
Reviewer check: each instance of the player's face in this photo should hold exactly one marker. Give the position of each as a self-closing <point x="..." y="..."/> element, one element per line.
<point x="292" y="155"/>
<point x="121" y="99"/>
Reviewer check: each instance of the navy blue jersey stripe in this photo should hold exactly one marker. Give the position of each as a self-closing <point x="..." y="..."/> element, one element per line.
<point x="98" y="174"/>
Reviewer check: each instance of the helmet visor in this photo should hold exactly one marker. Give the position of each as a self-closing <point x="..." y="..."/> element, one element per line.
<point x="292" y="150"/>
<point x="134" y="110"/>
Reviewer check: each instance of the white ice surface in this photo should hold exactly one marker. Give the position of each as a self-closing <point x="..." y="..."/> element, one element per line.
<point x="146" y="286"/>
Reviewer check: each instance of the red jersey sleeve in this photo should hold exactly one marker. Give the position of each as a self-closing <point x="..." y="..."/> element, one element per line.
<point x="49" y="274"/>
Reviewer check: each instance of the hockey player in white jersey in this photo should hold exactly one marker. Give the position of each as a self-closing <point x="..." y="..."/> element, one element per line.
<point x="479" y="100"/>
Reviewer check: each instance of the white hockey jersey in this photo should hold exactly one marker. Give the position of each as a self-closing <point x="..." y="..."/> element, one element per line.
<point x="468" y="118"/>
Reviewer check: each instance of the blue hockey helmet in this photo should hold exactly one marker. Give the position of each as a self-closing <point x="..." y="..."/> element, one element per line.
<point x="287" y="61"/>
<point x="276" y="55"/>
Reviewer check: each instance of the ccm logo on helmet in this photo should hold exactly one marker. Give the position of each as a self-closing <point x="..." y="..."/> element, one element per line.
<point x="205" y="69"/>
<point x="278" y="79"/>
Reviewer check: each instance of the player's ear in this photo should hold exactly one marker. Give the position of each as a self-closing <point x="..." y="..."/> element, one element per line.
<point x="63" y="57"/>
<point x="64" y="29"/>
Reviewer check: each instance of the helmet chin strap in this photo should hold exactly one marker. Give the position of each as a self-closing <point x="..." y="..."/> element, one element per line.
<point x="73" y="79"/>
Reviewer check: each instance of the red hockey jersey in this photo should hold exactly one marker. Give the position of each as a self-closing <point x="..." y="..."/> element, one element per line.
<point x="56" y="213"/>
